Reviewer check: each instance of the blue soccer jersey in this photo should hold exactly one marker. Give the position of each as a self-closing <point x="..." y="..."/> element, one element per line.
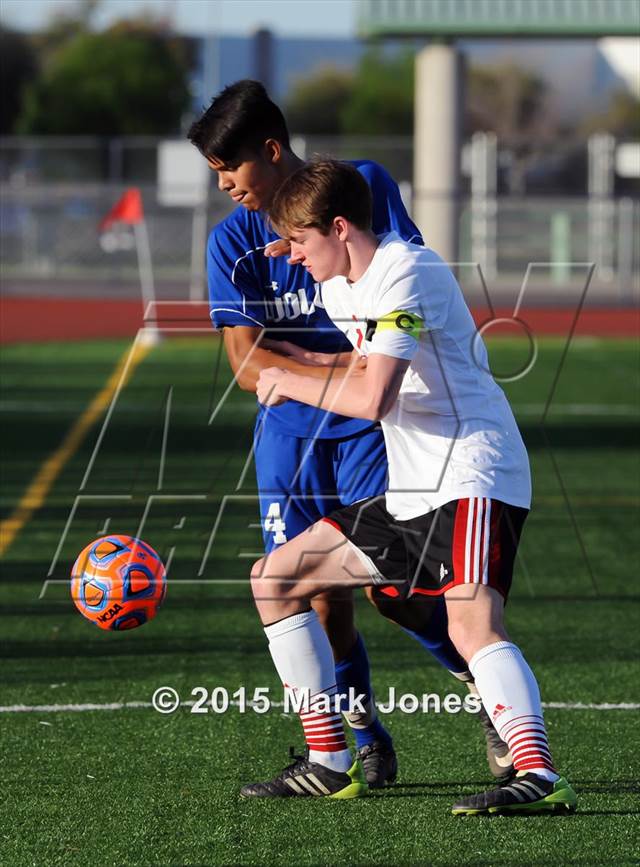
<point x="247" y="288"/>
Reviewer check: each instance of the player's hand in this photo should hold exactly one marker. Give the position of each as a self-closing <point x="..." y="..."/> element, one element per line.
<point x="277" y="248"/>
<point x="270" y="385"/>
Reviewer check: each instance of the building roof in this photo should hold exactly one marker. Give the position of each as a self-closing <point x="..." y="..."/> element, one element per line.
<point x="478" y="18"/>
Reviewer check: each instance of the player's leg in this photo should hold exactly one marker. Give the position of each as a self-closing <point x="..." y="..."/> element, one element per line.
<point x="352" y="469"/>
<point x="283" y="583"/>
<point x="425" y="619"/>
<point x="336" y="613"/>
<point x="373" y="742"/>
<point x="297" y="487"/>
<point x="483" y="567"/>
<point x="361" y="472"/>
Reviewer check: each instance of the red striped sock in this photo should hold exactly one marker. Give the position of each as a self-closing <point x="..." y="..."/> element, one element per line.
<point x="527" y="740"/>
<point x="323" y="731"/>
<point x="511" y="697"/>
<point x="303" y="657"/>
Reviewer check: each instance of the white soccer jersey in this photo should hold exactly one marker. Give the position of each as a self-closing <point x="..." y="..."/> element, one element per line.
<point x="451" y="433"/>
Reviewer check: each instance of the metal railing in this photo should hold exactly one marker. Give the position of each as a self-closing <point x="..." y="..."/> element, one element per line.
<point x="54" y="193"/>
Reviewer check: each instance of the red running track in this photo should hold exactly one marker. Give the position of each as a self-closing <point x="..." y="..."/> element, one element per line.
<point x="24" y="320"/>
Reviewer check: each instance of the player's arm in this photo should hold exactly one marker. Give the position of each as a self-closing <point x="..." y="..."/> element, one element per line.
<point x="248" y="358"/>
<point x="398" y="323"/>
<point x="306" y="356"/>
<point x="370" y="395"/>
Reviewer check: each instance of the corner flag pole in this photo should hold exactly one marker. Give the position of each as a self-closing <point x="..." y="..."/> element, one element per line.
<point x="145" y="268"/>
<point x="128" y="211"/>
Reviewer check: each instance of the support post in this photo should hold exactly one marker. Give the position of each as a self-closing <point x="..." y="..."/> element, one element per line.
<point x="560" y="244"/>
<point x="197" y="287"/>
<point x="438" y="109"/>
<point x="601" y="203"/>
<point x="484" y="203"/>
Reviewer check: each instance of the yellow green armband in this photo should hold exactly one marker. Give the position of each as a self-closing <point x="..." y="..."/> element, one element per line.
<point x="400" y="320"/>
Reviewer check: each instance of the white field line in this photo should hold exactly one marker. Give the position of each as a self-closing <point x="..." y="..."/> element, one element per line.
<point x="127" y="705"/>
<point x="618" y="409"/>
<point x="612" y="409"/>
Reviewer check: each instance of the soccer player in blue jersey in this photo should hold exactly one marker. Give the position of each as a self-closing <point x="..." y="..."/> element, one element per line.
<point x="308" y="462"/>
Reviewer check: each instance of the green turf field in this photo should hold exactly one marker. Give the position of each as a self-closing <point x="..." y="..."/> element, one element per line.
<point x="128" y="786"/>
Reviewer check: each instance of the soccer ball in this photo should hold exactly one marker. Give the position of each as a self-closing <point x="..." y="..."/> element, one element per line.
<point x="118" y="582"/>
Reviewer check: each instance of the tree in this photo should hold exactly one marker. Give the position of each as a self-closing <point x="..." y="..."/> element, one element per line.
<point x="511" y="102"/>
<point x="377" y="99"/>
<point x="65" y="23"/>
<point x="317" y="102"/>
<point x="508" y="100"/>
<point x="381" y="101"/>
<point x="17" y="68"/>
<point x="111" y="83"/>
<point x="621" y="118"/>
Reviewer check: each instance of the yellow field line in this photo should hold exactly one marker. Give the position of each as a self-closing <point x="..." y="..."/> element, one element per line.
<point x="41" y="484"/>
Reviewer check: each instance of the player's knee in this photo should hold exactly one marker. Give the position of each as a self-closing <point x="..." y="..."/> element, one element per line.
<point x="257" y="570"/>
<point x="256" y="578"/>
<point x="265" y="584"/>
<point x="261" y="586"/>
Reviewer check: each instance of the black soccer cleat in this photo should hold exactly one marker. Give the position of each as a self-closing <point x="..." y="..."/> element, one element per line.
<point x="309" y="779"/>
<point x="379" y="764"/>
<point x="525" y="793"/>
<point x="498" y="753"/>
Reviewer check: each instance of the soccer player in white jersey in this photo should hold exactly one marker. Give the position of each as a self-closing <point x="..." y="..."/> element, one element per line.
<point x="307" y="462"/>
<point x="459" y="488"/>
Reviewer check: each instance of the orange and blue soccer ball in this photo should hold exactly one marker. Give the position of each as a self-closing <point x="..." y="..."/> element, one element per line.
<point x="118" y="582"/>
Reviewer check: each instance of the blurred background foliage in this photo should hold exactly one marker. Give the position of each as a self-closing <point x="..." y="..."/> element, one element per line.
<point x="133" y="78"/>
<point x="130" y="79"/>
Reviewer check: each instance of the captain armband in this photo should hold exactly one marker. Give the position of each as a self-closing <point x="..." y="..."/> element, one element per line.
<point x="399" y="321"/>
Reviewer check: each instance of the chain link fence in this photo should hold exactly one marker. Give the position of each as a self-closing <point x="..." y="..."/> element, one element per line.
<point x="51" y="231"/>
<point x="54" y="192"/>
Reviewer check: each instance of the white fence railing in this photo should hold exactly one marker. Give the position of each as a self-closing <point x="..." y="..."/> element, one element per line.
<point x="55" y="191"/>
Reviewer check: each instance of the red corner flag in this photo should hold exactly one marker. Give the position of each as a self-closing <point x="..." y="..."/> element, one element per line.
<point x="128" y="209"/>
<point x="124" y="228"/>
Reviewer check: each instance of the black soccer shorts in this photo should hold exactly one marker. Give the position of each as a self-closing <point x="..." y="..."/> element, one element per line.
<point x="468" y="541"/>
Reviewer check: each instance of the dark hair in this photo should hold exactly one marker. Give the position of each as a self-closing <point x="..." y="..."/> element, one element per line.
<point x="241" y="117"/>
<point x="317" y="193"/>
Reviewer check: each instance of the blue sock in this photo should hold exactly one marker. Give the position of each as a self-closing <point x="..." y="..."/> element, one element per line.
<point x="353" y="671"/>
<point x="434" y="637"/>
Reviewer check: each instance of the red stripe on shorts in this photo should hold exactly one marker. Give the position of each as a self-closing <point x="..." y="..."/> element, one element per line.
<point x="482" y="564"/>
<point x="459" y="541"/>
<point x="471" y="576"/>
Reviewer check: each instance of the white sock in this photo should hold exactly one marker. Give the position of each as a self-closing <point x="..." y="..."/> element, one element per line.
<point x="303" y="658"/>
<point x="511" y="697"/>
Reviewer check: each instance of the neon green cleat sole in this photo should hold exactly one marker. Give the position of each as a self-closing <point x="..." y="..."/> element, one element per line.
<point x="305" y="779"/>
<point x="561" y="798"/>
<point x="356" y="788"/>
